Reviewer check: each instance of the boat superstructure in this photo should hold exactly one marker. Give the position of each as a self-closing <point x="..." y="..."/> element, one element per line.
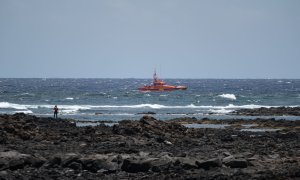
<point x="160" y="85"/>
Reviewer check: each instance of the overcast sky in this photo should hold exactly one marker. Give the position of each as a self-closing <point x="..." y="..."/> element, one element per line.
<point x="129" y="38"/>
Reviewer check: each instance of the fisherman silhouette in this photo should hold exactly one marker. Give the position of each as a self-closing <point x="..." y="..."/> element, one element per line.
<point x="55" y="110"/>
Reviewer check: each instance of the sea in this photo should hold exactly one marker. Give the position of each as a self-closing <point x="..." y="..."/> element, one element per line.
<point x="119" y="99"/>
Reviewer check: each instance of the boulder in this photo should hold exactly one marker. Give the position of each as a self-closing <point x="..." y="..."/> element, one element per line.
<point x="75" y="166"/>
<point x="69" y="158"/>
<point x="14" y="160"/>
<point x="236" y="163"/>
<point x="186" y="162"/>
<point x="97" y="162"/>
<point x="149" y="120"/>
<point x="55" y="161"/>
<point x="36" y="161"/>
<point x="211" y="163"/>
<point x="135" y="166"/>
<point x="162" y="163"/>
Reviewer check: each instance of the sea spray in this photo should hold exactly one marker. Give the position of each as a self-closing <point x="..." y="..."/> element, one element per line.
<point x="228" y="96"/>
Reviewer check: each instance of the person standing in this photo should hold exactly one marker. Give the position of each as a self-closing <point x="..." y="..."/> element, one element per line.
<point x="55" y="110"/>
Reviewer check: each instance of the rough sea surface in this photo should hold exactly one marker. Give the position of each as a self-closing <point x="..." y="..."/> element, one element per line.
<point x="119" y="99"/>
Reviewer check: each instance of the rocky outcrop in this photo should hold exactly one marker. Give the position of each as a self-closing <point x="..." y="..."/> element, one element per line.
<point x="45" y="148"/>
<point x="273" y="111"/>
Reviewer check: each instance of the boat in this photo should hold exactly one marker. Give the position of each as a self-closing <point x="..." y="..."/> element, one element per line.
<point x="160" y="85"/>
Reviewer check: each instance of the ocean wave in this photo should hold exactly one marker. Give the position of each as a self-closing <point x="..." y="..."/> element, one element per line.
<point x="96" y="94"/>
<point x="7" y="105"/>
<point x="25" y="95"/>
<point x="228" y="96"/>
<point x="220" y="111"/>
<point x="69" y="98"/>
<point x="163" y="95"/>
<point x="25" y="112"/>
<point x="69" y="109"/>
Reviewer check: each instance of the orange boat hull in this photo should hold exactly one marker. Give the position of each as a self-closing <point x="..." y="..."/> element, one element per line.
<point x="162" y="88"/>
<point x="160" y="85"/>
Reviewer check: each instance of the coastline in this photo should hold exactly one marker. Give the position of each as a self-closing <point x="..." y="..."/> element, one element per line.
<point x="35" y="148"/>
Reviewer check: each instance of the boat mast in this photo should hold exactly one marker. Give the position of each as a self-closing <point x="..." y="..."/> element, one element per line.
<point x="154" y="77"/>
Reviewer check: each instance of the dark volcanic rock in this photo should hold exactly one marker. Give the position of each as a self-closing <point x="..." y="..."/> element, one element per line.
<point x="211" y="163"/>
<point x="187" y="163"/>
<point x="149" y="112"/>
<point x="237" y="163"/>
<point x="54" y="162"/>
<point x="273" y="111"/>
<point x="162" y="163"/>
<point x="47" y="148"/>
<point x="135" y="166"/>
<point x="14" y="160"/>
<point x="95" y="163"/>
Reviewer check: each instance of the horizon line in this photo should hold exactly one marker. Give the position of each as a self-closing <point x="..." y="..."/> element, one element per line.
<point x="137" y="78"/>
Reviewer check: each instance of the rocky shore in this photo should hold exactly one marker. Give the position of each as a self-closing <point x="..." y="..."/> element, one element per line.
<point x="273" y="111"/>
<point x="44" y="148"/>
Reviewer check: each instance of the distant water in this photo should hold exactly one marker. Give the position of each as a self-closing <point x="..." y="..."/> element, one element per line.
<point x="118" y="99"/>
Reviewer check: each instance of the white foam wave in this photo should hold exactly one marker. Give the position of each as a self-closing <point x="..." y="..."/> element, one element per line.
<point x="69" y="98"/>
<point x="228" y="96"/>
<point x="7" y="105"/>
<point x="153" y="106"/>
<point x="73" y="109"/>
<point x="220" y="111"/>
<point x="117" y="114"/>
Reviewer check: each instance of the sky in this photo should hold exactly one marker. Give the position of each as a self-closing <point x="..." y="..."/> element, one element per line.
<point x="130" y="38"/>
